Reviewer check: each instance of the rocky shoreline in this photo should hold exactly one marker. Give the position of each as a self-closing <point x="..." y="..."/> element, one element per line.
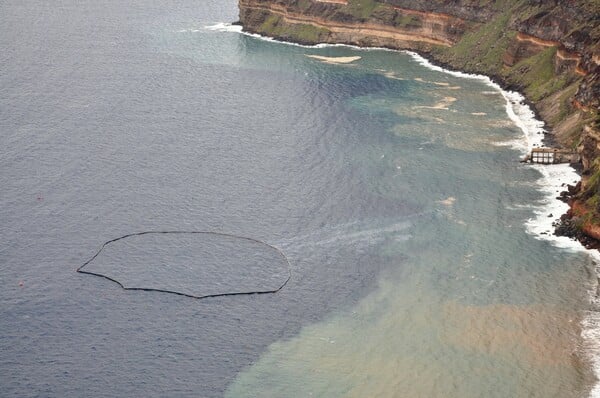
<point x="568" y="226"/>
<point x="547" y="51"/>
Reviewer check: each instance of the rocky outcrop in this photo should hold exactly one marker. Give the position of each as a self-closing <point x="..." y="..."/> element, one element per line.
<point x="547" y="49"/>
<point x="589" y="148"/>
<point x="588" y="92"/>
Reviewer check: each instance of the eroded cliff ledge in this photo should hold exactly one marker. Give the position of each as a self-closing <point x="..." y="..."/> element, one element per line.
<point x="548" y="50"/>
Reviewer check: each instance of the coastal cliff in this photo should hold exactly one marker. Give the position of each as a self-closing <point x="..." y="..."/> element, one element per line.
<point x="548" y="50"/>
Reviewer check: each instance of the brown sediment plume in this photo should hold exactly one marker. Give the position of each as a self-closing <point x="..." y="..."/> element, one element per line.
<point x="507" y="330"/>
<point x="401" y="338"/>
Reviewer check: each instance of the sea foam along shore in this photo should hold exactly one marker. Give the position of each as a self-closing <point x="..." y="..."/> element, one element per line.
<point x="554" y="179"/>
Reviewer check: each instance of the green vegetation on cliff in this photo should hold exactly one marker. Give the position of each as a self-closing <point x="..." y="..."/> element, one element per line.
<point x="481" y="49"/>
<point x="303" y="33"/>
<point x="543" y="49"/>
<point x="362" y="8"/>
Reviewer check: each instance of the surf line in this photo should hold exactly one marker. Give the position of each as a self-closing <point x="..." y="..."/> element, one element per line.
<point x="223" y="234"/>
<point x="533" y="131"/>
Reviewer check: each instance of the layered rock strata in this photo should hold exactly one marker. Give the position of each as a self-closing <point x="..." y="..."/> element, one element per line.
<point x="549" y="50"/>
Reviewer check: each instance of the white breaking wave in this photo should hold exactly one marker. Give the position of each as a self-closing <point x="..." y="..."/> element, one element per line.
<point x="229" y="27"/>
<point x="225" y="27"/>
<point x="591" y="336"/>
<point x="516" y="108"/>
<point x="553" y="179"/>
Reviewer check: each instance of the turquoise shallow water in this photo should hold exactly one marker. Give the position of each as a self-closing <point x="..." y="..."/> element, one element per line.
<point x="392" y="189"/>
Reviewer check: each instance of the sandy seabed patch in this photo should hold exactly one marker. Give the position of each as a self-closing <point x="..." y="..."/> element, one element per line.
<point x="334" y="60"/>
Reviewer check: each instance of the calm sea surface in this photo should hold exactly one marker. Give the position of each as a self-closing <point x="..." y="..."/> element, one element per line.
<point x="386" y="185"/>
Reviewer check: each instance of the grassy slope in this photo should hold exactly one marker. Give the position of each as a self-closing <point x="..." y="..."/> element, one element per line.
<point x="304" y="33"/>
<point x="481" y="50"/>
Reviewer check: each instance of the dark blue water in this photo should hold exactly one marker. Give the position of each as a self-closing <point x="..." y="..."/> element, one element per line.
<point x="381" y="181"/>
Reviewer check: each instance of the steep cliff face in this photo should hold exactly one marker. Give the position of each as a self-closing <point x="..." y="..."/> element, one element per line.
<point x="547" y="49"/>
<point x="312" y="22"/>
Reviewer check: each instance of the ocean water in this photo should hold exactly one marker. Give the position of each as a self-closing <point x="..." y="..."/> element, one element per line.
<point x="421" y="260"/>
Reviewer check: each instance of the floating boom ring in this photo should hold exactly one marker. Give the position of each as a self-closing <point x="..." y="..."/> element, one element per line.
<point x="219" y="286"/>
